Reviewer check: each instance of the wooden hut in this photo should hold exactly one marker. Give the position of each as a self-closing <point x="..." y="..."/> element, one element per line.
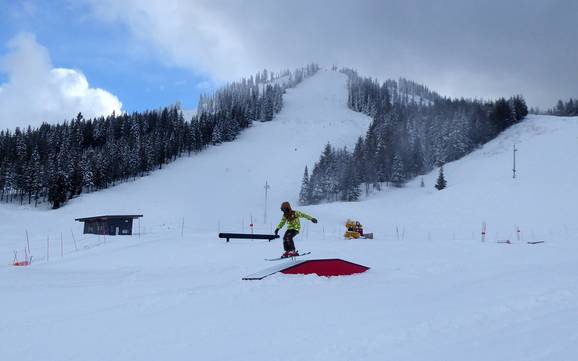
<point x="111" y="225"/>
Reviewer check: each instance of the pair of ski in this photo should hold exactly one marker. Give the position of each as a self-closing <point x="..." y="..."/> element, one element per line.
<point x="280" y="258"/>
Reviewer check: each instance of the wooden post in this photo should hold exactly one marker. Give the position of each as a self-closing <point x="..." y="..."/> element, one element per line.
<point x="27" y="242"/>
<point x="74" y="239"/>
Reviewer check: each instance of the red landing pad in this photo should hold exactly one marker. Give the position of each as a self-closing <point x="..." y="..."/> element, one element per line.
<point x="320" y="267"/>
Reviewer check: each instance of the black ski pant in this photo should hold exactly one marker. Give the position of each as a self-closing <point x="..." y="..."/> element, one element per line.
<point x="288" y="244"/>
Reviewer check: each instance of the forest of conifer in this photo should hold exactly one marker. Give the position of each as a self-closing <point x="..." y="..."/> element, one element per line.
<point x="413" y="130"/>
<point x="56" y="162"/>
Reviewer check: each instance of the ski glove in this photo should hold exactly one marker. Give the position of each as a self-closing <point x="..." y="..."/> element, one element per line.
<point x="314" y="220"/>
<point x="276" y="231"/>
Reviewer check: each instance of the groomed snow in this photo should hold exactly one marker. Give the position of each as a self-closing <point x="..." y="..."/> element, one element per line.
<point x="434" y="291"/>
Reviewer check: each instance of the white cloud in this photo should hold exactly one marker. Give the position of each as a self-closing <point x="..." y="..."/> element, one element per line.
<point x="190" y="34"/>
<point x="463" y="48"/>
<point x="36" y="92"/>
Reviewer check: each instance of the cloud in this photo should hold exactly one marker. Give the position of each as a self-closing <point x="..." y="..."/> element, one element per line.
<point x="458" y="47"/>
<point x="36" y="92"/>
<point x="193" y="35"/>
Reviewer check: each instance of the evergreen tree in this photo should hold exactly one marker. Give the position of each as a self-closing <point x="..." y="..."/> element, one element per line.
<point x="217" y="137"/>
<point x="519" y="108"/>
<point x="86" y="168"/>
<point x="398" y="172"/>
<point x="2" y="181"/>
<point x="57" y="183"/>
<point x="57" y="162"/>
<point x="412" y="128"/>
<point x="569" y="108"/>
<point x="35" y="175"/>
<point x="305" y="193"/>
<point x="350" y="183"/>
<point x="441" y="181"/>
<point x="502" y="115"/>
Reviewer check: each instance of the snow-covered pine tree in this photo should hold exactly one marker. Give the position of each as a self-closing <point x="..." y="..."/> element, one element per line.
<point x="397" y="171"/>
<point x="2" y="181"/>
<point x="58" y="182"/>
<point x="350" y="182"/>
<point x="217" y="136"/>
<point x="305" y="192"/>
<point x="34" y="177"/>
<point x="502" y="115"/>
<point x="441" y="181"/>
<point x="268" y="109"/>
<point x="86" y="168"/>
<point x="519" y="107"/>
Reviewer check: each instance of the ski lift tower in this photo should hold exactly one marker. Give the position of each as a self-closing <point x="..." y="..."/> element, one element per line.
<point x="514" y="168"/>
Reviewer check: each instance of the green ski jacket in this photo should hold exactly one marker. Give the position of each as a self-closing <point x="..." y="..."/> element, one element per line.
<point x="294" y="224"/>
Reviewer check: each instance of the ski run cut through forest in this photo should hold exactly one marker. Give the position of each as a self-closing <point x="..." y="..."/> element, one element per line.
<point x="437" y="288"/>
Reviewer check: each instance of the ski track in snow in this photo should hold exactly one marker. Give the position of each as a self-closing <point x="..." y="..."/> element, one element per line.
<point x="434" y="291"/>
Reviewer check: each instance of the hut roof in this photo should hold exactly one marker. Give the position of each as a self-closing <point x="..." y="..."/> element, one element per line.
<point x="107" y="217"/>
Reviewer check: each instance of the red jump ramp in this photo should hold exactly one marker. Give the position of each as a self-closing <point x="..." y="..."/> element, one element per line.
<point x="321" y="267"/>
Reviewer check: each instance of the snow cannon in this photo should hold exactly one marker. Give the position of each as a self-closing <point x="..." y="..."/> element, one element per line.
<point x="354" y="230"/>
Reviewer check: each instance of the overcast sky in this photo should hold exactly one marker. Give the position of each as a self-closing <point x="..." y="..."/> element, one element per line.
<point x="482" y="49"/>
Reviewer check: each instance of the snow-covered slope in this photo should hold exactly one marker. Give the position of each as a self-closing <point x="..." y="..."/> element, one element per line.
<point x="541" y="201"/>
<point x="225" y="184"/>
<point x="434" y="291"/>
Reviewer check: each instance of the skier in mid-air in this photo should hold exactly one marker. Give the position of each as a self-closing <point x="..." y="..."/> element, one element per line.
<point x="291" y="217"/>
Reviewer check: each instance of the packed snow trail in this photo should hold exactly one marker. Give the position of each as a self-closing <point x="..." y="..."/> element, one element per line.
<point x="434" y="290"/>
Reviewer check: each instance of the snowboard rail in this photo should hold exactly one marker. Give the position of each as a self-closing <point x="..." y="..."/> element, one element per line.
<point x="230" y="236"/>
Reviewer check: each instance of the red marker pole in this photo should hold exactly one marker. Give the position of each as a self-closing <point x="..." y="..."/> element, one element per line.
<point x="483" y="231"/>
